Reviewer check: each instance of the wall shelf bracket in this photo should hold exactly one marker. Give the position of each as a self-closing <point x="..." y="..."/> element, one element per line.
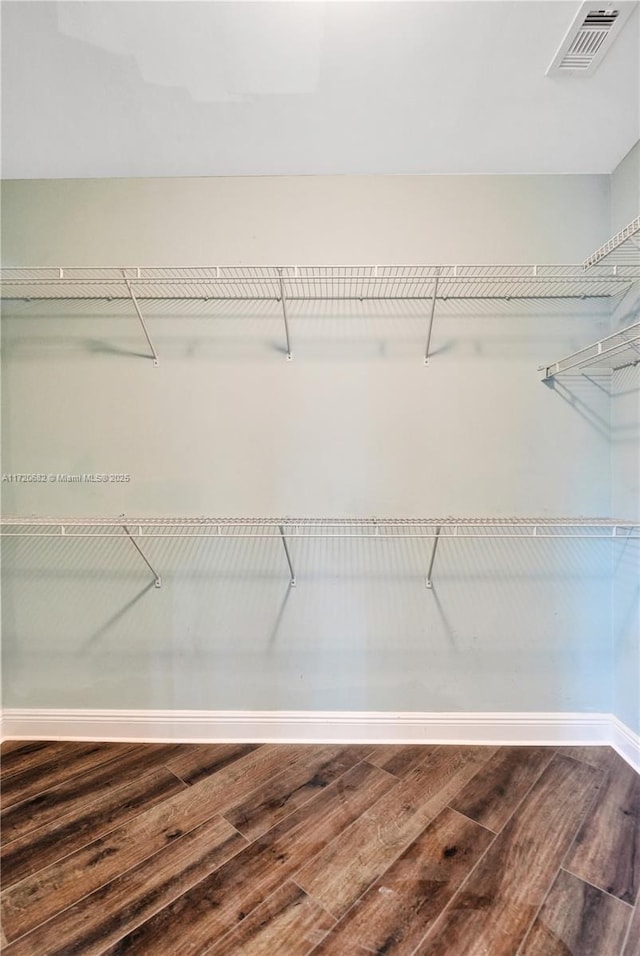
<point x="429" y="582"/>
<point x="158" y="579"/>
<point x="432" y="312"/>
<point x="283" y="300"/>
<point x="142" y="322"/>
<point x="288" y="556"/>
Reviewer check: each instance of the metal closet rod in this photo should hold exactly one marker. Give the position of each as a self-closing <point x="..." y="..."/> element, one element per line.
<point x="136" y="529"/>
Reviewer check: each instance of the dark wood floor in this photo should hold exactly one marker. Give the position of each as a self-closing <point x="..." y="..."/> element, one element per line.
<point x="289" y="850"/>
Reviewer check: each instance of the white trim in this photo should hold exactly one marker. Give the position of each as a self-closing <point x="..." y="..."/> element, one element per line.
<point x="201" y="726"/>
<point x="625" y="742"/>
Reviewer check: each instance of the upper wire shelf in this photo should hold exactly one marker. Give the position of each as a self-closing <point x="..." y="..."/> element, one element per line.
<point x="595" y="278"/>
<point x="369" y="527"/>
<point x="622" y="348"/>
<point x="139" y="530"/>
<point x="308" y="283"/>
<point x="621" y="249"/>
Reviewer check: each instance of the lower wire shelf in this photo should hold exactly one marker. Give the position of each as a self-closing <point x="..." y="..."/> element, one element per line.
<point x="136" y="530"/>
<point x="612" y="352"/>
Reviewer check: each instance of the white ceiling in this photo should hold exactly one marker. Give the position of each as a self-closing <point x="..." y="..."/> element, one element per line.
<point x="152" y="88"/>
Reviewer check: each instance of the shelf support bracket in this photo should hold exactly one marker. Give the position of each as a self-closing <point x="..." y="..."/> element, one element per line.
<point x="431" y="316"/>
<point x="429" y="582"/>
<point x="288" y="556"/>
<point x="142" y="322"/>
<point x="283" y="300"/>
<point x="158" y="581"/>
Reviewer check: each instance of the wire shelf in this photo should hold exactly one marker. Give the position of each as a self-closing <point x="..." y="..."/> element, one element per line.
<point x="613" y="352"/>
<point x="139" y="530"/>
<point x="309" y="283"/>
<point x="101" y="527"/>
<point x="294" y="284"/>
<point x="621" y="249"/>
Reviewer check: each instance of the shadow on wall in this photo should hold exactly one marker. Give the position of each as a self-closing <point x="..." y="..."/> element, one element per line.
<point x="626" y="633"/>
<point x="625" y="459"/>
<point x="510" y="625"/>
<point x="625" y="408"/>
<point x="580" y="391"/>
<point x="210" y="330"/>
<point x="578" y="388"/>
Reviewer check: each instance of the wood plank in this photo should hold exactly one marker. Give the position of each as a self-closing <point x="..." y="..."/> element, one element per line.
<point x="607" y="848"/>
<point x="48" y="891"/>
<point x="221" y="902"/>
<point x="51" y="890"/>
<point x="40" y="848"/>
<point x="69" y="797"/>
<point x="632" y="945"/>
<point x="399" y="760"/>
<point x="10" y="746"/>
<point x="7" y="746"/>
<point x="398" y="909"/>
<point x="202" y="760"/>
<point x="251" y="903"/>
<point x="577" y="918"/>
<point x="34" y="753"/>
<point x="274" y="800"/>
<point x="36" y="779"/>
<point x="494" y="908"/>
<point x="100" y="919"/>
<point x="237" y="780"/>
<point x="340" y="874"/>
<point x="39" y="897"/>
<point x="332" y="945"/>
<point x="287" y="922"/>
<point x="205" y="759"/>
<point x="600" y="757"/>
<point x="496" y="790"/>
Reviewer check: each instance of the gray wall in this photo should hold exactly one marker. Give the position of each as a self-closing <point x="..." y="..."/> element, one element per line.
<point x="625" y="471"/>
<point x="625" y="190"/>
<point x="355" y="425"/>
<point x="319" y="219"/>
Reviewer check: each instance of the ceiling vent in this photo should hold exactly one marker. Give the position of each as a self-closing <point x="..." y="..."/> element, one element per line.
<point x="589" y="38"/>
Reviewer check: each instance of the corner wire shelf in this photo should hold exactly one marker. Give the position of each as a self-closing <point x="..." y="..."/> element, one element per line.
<point x="137" y="530"/>
<point x="621" y="249"/>
<point x="293" y="284"/>
<point x="612" y="352"/>
<point x="622" y="348"/>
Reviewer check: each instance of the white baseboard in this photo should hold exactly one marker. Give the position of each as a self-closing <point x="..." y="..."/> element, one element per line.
<point x="193" y="726"/>
<point x="205" y="726"/>
<point x="625" y="742"/>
